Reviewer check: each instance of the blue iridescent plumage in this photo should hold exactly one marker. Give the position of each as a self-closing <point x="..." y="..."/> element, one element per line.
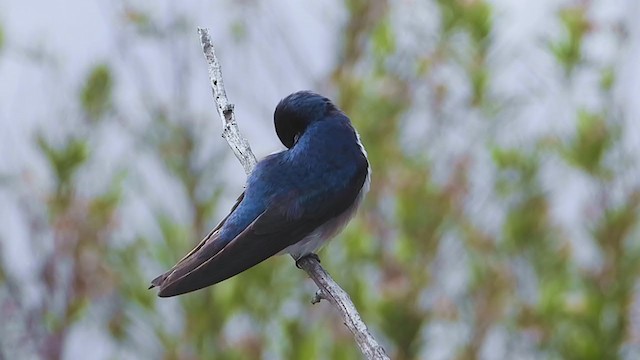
<point x="294" y="200"/>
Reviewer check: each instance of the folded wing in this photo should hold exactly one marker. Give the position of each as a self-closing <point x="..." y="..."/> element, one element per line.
<point x="285" y="221"/>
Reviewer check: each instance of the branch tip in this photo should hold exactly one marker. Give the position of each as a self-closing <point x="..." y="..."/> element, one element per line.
<point x="319" y="296"/>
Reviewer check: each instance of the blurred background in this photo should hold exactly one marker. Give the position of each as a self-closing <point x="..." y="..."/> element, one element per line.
<point x="502" y="222"/>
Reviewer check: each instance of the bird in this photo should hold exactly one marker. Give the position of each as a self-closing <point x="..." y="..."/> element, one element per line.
<point x="294" y="200"/>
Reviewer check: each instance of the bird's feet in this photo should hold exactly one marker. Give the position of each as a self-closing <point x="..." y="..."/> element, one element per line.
<point x="312" y="255"/>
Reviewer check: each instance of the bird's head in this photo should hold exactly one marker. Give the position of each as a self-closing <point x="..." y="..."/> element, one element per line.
<point x="296" y="112"/>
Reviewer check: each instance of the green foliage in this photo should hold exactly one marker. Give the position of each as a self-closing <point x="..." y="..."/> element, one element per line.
<point x="384" y="40"/>
<point x="422" y="211"/>
<point x="473" y="18"/>
<point x="402" y="322"/>
<point x="523" y="165"/>
<point x="73" y="273"/>
<point x="568" y="50"/>
<point x="65" y="161"/>
<point x="594" y="137"/>
<point x="2" y="39"/>
<point x="302" y="346"/>
<point x="608" y="78"/>
<point x="97" y="92"/>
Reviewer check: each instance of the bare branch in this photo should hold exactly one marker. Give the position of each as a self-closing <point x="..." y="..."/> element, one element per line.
<point x="239" y="145"/>
<point x="328" y="288"/>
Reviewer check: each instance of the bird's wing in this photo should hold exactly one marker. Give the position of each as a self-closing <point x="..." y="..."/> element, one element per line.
<point x="210" y="239"/>
<point x="283" y="223"/>
<point x="271" y="232"/>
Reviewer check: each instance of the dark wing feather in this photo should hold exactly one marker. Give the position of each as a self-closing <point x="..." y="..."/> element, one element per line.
<point x="210" y="240"/>
<point x="269" y="234"/>
<point x="285" y="222"/>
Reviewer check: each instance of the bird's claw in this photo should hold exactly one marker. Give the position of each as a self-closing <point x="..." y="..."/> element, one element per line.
<point x="312" y="255"/>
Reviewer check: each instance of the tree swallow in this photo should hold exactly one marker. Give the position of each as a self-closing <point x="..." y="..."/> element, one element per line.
<point x="294" y="200"/>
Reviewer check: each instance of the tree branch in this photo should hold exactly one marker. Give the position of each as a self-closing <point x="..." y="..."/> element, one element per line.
<point x="328" y="288"/>
<point x="230" y="132"/>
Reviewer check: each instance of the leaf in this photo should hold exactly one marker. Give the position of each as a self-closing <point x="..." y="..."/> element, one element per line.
<point x="64" y="161"/>
<point x="383" y="39"/>
<point x="588" y="147"/>
<point x="1" y="38"/>
<point x="97" y="92"/>
<point x="569" y="49"/>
